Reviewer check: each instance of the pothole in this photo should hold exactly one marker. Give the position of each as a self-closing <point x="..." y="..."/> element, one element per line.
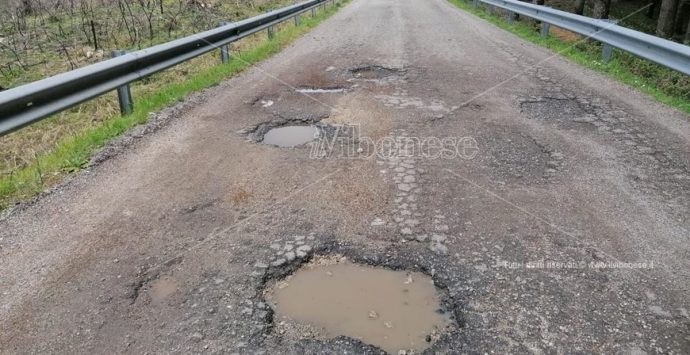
<point x="163" y="288"/>
<point x="313" y="90"/>
<point x="293" y="132"/>
<point x="393" y="310"/>
<point x="291" y="136"/>
<point x="553" y="108"/>
<point x="374" y="72"/>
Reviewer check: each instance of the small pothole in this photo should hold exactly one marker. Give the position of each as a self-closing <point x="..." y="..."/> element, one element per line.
<point x="315" y="90"/>
<point x="553" y="108"/>
<point x="374" y="72"/>
<point x="293" y="132"/>
<point x="393" y="310"/>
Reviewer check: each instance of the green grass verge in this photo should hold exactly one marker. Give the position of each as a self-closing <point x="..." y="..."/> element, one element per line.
<point x="74" y="152"/>
<point x="665" y="85"/>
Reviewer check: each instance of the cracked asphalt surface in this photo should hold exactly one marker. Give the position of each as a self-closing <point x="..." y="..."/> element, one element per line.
<point x="571" y="168"/>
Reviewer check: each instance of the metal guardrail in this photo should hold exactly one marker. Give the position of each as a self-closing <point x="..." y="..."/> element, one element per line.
<point x="32" y="102"/>
<point x="658" y="50"/>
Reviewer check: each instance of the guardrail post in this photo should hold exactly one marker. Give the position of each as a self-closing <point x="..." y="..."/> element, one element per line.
<point x="124" y="94"/>
<point x="270" y="32"/>
<point x="606" y="52"/>
<point x="545" y="29"/>
<point x="607" y="49"/>
<point x="510" y="18"/>
<point x="490" y="10"/>
<point x="313" y="12"/>
<point x="296" y="18"/>
<point x="475" y="3"/>
<point x="224" y="55"/>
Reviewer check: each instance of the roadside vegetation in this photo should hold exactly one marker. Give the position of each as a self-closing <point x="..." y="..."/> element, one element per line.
<point x="665" y="85"/>
<point x="38" y="156"/>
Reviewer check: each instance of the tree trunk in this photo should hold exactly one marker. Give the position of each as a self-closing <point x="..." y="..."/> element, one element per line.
<point x="687" y="34"/>
<point x="667" y="18"/>
<point x="27" y="8"/>
<point x="601" y="8"/>
<point x="682" y="16"/>
<point x="580" y="7"/>
<point x="652" y="10"/>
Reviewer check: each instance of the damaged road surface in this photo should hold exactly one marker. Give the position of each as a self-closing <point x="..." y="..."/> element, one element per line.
<point x="555" y="218"/>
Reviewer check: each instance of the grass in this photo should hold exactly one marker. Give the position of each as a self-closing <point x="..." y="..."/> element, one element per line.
<point x="73" y="152"/>
<point x="665" y="85"/>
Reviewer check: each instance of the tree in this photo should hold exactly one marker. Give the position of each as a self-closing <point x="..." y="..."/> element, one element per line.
<point x="653" y="8"/>
<point x="27" y="8"/>
<point x="580" y="7"/>
<point x="667" y="18"/>
<point x="601" y="8"/>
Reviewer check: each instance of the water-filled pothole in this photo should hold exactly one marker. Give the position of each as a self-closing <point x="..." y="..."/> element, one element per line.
<point x="394" y="310"/>
<point x="290" y="136"/>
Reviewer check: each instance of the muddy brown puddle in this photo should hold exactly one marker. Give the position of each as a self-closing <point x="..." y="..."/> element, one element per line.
<point x="394" y="310"/>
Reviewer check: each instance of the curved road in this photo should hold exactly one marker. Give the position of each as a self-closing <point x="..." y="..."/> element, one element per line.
<point x="567" y="230"/>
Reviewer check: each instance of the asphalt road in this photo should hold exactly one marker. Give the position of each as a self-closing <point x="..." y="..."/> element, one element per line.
<point x="571" y="169"/>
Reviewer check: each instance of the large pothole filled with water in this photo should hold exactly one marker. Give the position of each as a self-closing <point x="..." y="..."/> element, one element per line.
<point x="393" y="310"/>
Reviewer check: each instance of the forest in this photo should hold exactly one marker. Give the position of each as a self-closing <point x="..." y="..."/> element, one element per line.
<point x="670" y="18"/>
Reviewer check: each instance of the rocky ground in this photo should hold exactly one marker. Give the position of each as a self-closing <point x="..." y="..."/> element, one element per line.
<point x="562" y="229"/>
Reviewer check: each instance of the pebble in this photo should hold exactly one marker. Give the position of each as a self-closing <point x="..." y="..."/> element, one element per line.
<point x="303" y="251"/>
<point x="377" y="222"/>
<point x="405" y="187"/>
<point x="279" y="262"/>
<point x="438" y="248"/>
<point x="438" y="238"/>
<point x="197" y="337"/>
